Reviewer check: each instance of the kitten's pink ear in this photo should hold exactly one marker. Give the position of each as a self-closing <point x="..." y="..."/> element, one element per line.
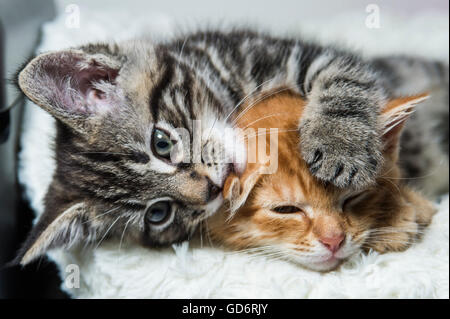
<point x="237" y="189"/>
<point x="65" y="230"/>
<point x="393" y="118"/>
<point x="71" y="84"/>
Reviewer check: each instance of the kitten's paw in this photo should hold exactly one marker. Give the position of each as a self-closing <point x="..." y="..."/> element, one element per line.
<point x="393" y="238"/>
<point x="342" y="153"/>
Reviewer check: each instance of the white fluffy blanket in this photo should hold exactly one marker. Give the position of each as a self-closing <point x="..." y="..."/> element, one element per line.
<point x="206" y="272"/>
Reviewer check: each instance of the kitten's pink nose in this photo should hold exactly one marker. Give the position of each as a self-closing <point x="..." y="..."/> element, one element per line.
<point x="333" y="243"/>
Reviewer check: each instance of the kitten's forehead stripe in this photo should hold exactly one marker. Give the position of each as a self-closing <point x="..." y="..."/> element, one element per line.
<point x="187" y="90"/>
<point x="157" y="92"/>
<point x="168" y="109"/>
<point x="205" y="61"/>
<point x="180" y="110"/>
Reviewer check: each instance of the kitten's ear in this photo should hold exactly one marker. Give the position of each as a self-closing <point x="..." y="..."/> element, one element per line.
<point x="65" y="230"/>
<point x="237" y="189"/>
<point x="393" y="118"/>
<point x="72" y="85"/>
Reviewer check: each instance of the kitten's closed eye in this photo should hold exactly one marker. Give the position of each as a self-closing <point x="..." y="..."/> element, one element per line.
<point x="287" y="209"/>
<point x="353" y="199"/>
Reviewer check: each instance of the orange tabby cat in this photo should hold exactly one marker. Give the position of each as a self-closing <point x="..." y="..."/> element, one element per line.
<point x="292" y="215"/>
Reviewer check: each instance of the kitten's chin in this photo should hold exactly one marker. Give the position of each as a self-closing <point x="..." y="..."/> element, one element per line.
<point x="322" y="265"/>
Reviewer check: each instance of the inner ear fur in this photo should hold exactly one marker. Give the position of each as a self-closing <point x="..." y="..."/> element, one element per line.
<point x="60" y="83"/>
<point x="393" y="118"/>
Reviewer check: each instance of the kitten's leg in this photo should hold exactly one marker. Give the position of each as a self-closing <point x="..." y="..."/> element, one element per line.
<point x="338" y="131"/>
<point x="339" y="139"/>
<point x="405" y="225"/>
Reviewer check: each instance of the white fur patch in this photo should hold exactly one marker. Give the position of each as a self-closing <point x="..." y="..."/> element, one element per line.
<point x="192" y="272"/>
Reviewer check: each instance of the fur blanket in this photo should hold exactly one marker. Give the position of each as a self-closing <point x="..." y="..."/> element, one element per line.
<point x="206" y="272"/>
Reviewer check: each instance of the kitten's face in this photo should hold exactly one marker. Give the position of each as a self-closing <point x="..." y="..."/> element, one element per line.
<point x="292" y="215"/>
<point x="141" y="151"/>
<point x="173" y="177"/>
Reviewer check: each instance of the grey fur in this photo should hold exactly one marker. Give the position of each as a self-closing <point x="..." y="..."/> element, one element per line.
<point x="424" y="143"/>
<point x="104" y="159"/>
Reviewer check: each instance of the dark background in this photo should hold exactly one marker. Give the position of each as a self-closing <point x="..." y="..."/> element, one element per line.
<point x="20" y="23"/>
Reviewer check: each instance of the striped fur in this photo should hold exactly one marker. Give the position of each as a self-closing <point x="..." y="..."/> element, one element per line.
<point x="108" y="98"/>
<point x="424" y="146"/>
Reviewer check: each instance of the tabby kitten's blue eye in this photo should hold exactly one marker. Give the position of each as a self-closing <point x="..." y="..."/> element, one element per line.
<point x="162" y="144"/>
<point x="158" y="213"/>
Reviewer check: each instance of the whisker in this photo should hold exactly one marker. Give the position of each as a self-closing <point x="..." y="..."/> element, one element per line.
<point x="436" y="170"/>
<point x="182" y="48"/>
<point x="265" y="132"/>
<point x="107" y="231"/>
<point x="383" y="232"/>
<point x="392" y="241"/>
<point x="201" y="234"/>
<point x="208" y="235"/>
<point x="262" y="118"/>
<point x="390" y="229"/>
<point x="265" y="96"/>
<point x="239" y="104"/>
<point x="246" y="250"/>
<point x="257" y="252"/>
<point x="247" y="96"/>
<point x="111" y="153"/>
<point x="102" y="214"/>
<point x="370" y="243"/>
<point x="395" y="185"/>
<point x="259" y="99"/>
<point x="267" y="254"/>
<point x="123" y="233"/>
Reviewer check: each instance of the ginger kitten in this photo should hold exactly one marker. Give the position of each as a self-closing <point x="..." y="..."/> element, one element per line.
<point x="293" y="215"/>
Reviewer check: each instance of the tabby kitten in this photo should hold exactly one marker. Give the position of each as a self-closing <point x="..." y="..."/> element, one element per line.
<point x="293" y="215"/>
<point x="124" y="169"/>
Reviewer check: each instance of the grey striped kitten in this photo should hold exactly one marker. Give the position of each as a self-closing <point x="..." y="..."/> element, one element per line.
<point x="119" y="108"/>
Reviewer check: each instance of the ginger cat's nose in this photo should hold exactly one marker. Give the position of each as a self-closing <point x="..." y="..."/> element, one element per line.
<point x="333" y="243"/>
<point x="329" y="232"/>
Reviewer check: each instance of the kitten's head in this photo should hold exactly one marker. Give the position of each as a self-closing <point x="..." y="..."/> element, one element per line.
<point x="136" y="156"/>
<point x="291" y="214"/>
